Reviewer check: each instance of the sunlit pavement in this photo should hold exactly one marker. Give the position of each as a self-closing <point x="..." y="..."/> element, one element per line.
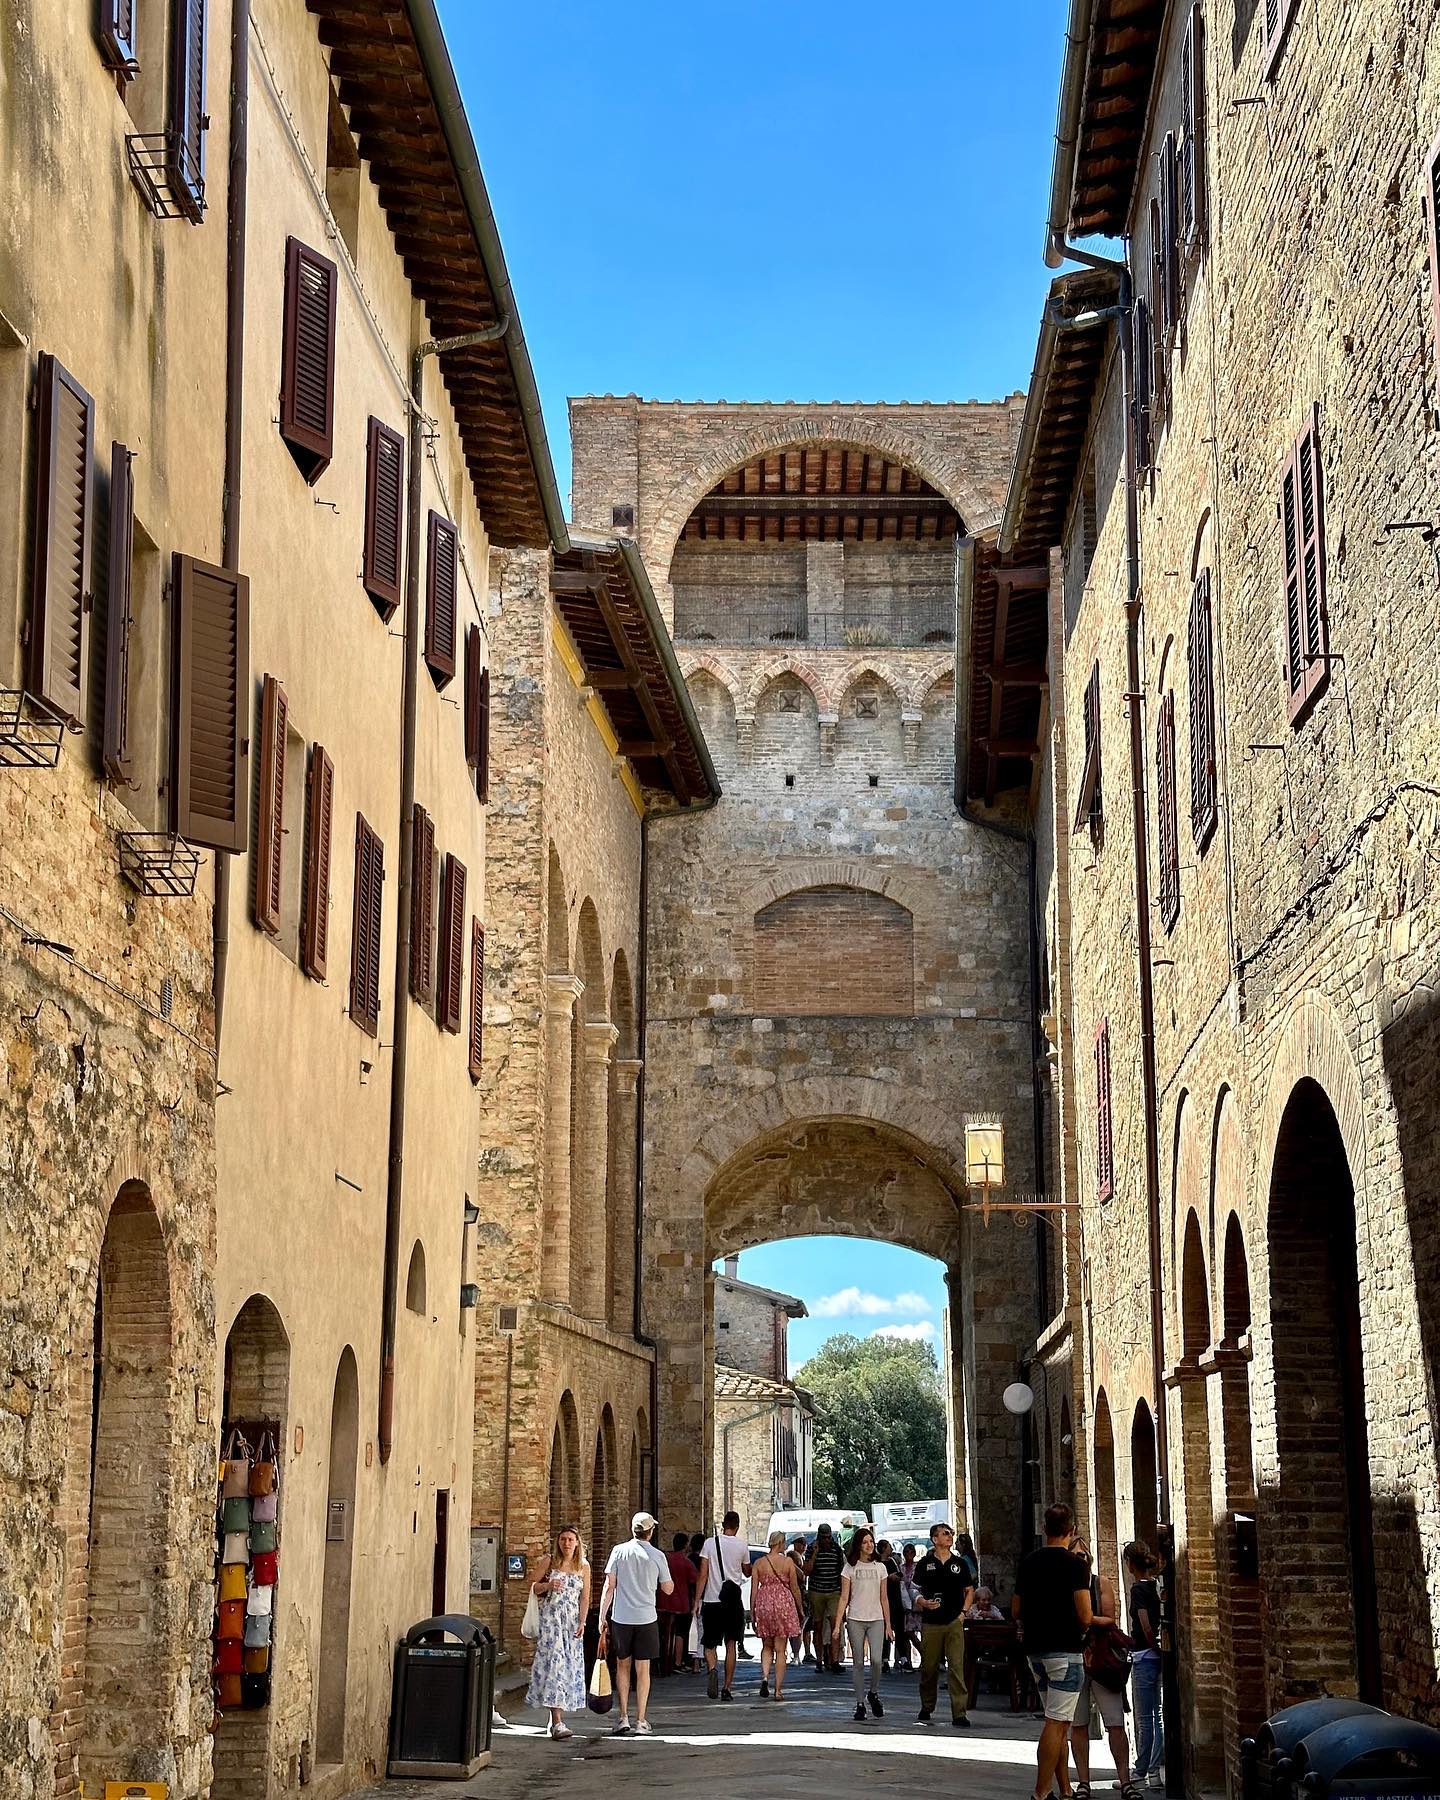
<point x="807" y="1745"/>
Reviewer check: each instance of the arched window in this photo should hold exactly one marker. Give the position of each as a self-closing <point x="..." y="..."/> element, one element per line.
<point x="834" y="950"/>
<point x="415" y="1280"/>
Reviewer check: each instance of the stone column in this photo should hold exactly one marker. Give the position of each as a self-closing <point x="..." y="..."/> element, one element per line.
<point x="588" y="1177"/>
<point x="621" y="1235"/>
<point x="561" y="993"/>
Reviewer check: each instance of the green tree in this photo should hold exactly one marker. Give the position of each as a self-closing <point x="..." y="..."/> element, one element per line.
<point x="879" y="1421"/>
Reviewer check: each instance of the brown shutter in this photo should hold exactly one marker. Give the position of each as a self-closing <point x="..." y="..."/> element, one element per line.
<point x="1169" y="240"/>
<point x="1104" y="1122"/>
<point x="451" y="977"/>
<point x="384" y="513"/>
<point x="365" y="928"/>
<point x="1088" y="806"/>
<point x="315" y="946"/>
<point x="1192" y="128"/>
<point x="1430" y="195"/>
<point x="115" y="751"/>
<point x="1302" y="525"/>
<point x="477" y="997"/>
<point x="441" y="584"/>
<point x="210" y="803"/>
<point x="188" y="120"/>
<point x="1167" y="829"/>
<point x="307" y="363"/>
<point x="60" y="578"/>
<point x="422" y="905"/>
<point x="117" y="37"/>
<point x="482" y="768"/>
<point x="1203" y="778"/>
<point x="1142" y="352"/>
<point x="472" y="695"/>
<point x="270" y="814"/>
<point x="1278" y="14"/>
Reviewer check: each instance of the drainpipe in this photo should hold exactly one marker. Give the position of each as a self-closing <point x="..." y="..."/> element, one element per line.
<point x="236" y="196"/>
<point x="395" y="1170"/>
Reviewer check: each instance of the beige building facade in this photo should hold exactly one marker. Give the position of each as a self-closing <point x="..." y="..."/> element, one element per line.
<point x="764" y="1437"/>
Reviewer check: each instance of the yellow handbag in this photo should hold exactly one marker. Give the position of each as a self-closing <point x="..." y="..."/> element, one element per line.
<point x="232" y="1582"/>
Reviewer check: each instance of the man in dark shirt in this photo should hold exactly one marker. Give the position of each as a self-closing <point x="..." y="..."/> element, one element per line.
<point x="947" y="1585"/>
<point x="1052" y="1605"/>
<point x="823" y="1569"/>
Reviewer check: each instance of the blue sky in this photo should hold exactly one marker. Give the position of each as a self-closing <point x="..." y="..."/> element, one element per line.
<point x="767" y="201"/>
<point x="850" y="1286"/>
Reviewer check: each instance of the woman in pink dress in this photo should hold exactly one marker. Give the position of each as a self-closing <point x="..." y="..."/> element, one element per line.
<point x="775" y="1610"/>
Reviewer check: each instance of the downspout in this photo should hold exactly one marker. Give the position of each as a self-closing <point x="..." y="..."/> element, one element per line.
<point x="236" y="197"/>
<point x="395" y="1167"/>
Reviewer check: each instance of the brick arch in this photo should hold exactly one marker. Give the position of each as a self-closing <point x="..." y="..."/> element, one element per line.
<point x="835" y="871"/>
<point x="1312" y="1044"/>
<point x="883" y="672"/>
<point x="557" y="916"/>
<point x="925" y="683"/>
<point x="944" y="473"/>
<point x="693" y="661"/>
<point x="771" y="671"/>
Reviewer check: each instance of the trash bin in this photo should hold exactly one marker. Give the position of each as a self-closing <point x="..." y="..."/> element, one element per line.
<point x="1369" y="1754"/>
<point x="1267" y="1759"/>
<point x="441" y="1700"/>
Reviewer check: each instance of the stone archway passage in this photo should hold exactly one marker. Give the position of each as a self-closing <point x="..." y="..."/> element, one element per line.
<point x="339" y="1559"/>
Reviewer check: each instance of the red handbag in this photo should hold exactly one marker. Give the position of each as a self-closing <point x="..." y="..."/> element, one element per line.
<point x="232" y="1620"/>
<point x="229" y="1656"/>
<point x="262" y="1568"/>
<point x="228" y="1691"/>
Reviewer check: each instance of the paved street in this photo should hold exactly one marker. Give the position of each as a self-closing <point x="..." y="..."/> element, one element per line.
<point x="808" y="1746"/>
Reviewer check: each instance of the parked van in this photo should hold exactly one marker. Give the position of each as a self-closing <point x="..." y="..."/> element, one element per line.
<point x="909" y="1520"/>
<point x="797" y="1521"/>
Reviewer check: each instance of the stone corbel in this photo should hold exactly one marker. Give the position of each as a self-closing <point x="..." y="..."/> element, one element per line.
<point x="627" y="1075"/>
<point x="600" y="1039"/>
<point x="561" y="993"/>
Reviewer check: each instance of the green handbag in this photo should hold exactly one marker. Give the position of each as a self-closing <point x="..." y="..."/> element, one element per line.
<point x="235" y="1515"/>
<point x="262" y="1535"/>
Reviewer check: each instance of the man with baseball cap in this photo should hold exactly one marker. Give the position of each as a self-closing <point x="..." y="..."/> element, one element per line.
<point x="634" y="1574"/>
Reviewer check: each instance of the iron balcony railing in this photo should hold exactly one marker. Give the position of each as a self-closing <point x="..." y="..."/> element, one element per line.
<point x="725" y="619"/>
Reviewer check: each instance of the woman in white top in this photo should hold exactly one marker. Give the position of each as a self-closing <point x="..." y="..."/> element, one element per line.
<point x="865" y="1613"/>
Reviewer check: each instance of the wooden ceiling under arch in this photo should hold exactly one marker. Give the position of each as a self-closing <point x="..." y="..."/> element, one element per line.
<point x="822" y="491"/>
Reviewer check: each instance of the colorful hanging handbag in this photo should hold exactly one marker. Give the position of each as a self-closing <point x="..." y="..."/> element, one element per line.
<point x="257" y="1661"/>
<point x="262" y="1569"/>
<point x="257" y="1631"/>
<point x="260" y="1603"/>
<point x="229" y="1656"/>
<point x="236" y="1548"/>
<point x="232" y="1619"/>
<point x="265" y="1507"/>
<point x="237" y="1466"/>
<point x="262" y="1536"/>
<point x="254" y="1692"/>
<point x="227" y="1690"/>
<point x="232" y="1582"/>
<point x="262" y="1471"/>
<point x="235" y="1514"/>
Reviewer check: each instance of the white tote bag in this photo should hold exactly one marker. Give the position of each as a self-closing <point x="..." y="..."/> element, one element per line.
<point x="696" y="1646"/>
<point x="530" y="1624"/>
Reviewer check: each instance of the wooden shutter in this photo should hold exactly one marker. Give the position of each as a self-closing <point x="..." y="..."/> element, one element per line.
<point x="307" y="363"/>
<point x="1104" y="1119"/>
<point x="365" y="928"/>
<point x="1088" y="809"/>
<point x="315" y="939"/>
<point x="451" y="976"/>
<point x="1203" y="778"/>
<point x="1430" y="196"/>
<point x="270" y="814"/>
<point x="1167" y="828"/>
<point x="1278" y="14"/>
<point x="60" y="577"/>
<point x="441" y="585"/>
<point x="210" y="790"/>
<point x="477" y="712"/>
<point x="188" y="119"/>
<point x="477" y="997"/>
<point x="115" y="749"/>
<point x="117" y="37"/>
<point x="422" y="905"/>
<point x="1169" y="270"/>
<point x="1142" y="353"/>
<point x="482" y="768"/>
<point x="384" y="515"/>
<point x="1302" y="527"/>
<point x="1192" y="131"/>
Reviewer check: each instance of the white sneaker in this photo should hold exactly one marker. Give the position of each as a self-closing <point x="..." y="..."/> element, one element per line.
<point x="643" y="1727"/>
<point x="560" y="1732"/>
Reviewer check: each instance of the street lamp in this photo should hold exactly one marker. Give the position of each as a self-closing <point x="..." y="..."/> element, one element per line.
<point x="985" y="1157"/>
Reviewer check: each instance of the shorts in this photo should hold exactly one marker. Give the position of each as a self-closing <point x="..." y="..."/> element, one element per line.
<point x="722" y="1621"/>
<point x="1108" y="1702"/>
<point x="642" y="1642"/>
<point x="823" y="1608"/>
<point x="1059" y="1679"/>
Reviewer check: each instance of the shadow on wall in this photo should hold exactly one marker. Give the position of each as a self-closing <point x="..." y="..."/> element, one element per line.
<point x="1245" y="11"/>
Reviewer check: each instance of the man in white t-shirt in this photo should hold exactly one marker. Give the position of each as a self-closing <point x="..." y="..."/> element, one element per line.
<point x="724" y="1563"/>
<point x="634" y="1574"/>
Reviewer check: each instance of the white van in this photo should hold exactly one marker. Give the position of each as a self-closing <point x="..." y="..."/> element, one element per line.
<point x="900" y="1518"/>
<point x="797" y="1521"/>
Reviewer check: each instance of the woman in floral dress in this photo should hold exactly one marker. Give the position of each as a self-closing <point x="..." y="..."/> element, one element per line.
<point x="775" y="1610"/>
<point x="557" y="1676"/>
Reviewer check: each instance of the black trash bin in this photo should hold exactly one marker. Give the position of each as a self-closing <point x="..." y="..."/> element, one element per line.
<point x="1267" y="1759"/>
<point x="1369" y="1754"/>
<point x="441" y="1701"/>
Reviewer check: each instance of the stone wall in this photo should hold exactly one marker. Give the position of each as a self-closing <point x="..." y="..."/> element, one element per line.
<point x="750" y="1329"/>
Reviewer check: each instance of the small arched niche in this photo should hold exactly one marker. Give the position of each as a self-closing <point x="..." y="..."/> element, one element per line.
<point x="415" y="1281"/>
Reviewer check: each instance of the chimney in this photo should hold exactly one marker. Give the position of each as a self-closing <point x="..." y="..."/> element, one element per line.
<point x="732" y="1267"/>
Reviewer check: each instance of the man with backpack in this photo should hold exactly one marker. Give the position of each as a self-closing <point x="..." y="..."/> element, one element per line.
<point x="724" y="1563"/>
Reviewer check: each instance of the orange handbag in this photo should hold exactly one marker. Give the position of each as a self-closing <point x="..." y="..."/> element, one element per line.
<point x="257" y="1660"/>
<point x="232" y="1582"/>
<point x="232" y="1619"/>
<point x="227" y="1690"/>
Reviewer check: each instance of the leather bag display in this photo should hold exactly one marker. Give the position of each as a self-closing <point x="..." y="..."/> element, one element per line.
<point x="265" y="1507"/>
<point x="229" y="1656"/>
<point x="257" y="1631"/>
<point x="261" y="1602"/>
<point x="257" y="1661"/>
<point x="262" y="1536"/>
<point x="236" y="1547"/>
<point x="254" y="1692"/>
<point x="232" y="1582"/>
<point x="228" y="1691"/>
<point x="235" y="1513"/>
<point x="232" y="1619"/>
<point x="237" y="1466"/>
<point x="262" y="1569"/>
<point x="262" y="1470"/>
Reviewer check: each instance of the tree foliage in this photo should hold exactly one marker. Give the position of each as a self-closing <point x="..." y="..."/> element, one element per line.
<point x="879" y="1421"/>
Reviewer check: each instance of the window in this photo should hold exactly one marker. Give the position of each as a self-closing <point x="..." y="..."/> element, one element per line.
<point x="307" y="364"/>
<point x="1142" y="358"/>
<point x="441" y="582"/>
<point x="1104" y="1124"/>
<point x="188" y="121"/>
<point x="1278" y="14"/>
<point x="59" y="660"/>
<point x="477" y="712"/>
<point x="1167" y="831"/>
<point x="1302" y="536"/>
<point x="116" y="750"/>
<point x="384" y="513"/>
<point x="422" y="906"/>
<point x="1430" y="200"/>
<point x="270" y="813"/>
<point x="366" y="928"/>
<point x="211" y="777"/>
<point x="315" y="925"/>
<point x="477" y="998"/>
<point x="1168" y="298"/>
<point x="1204" y="804"/>
<point x="1088" y="807"/>
<point x="1192" y="133"/>
<point x="450" y="974"/>
<point x="117" y="37"/>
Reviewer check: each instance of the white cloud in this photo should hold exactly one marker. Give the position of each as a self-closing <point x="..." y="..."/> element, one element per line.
<point x="910" y="1334"/>
<point x="854" y="1302"/>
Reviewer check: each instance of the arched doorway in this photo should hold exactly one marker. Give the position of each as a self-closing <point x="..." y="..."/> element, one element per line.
<point x="1107" y="1533"/>
<point x="1318" y="1644"/>
<point x="565" y="1473"/>
<point x="1240" y="1562"/>
<point x="333" y="1679"/>
<point x="1200" y="1648"/>
<point x="1144" y="1475"/>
